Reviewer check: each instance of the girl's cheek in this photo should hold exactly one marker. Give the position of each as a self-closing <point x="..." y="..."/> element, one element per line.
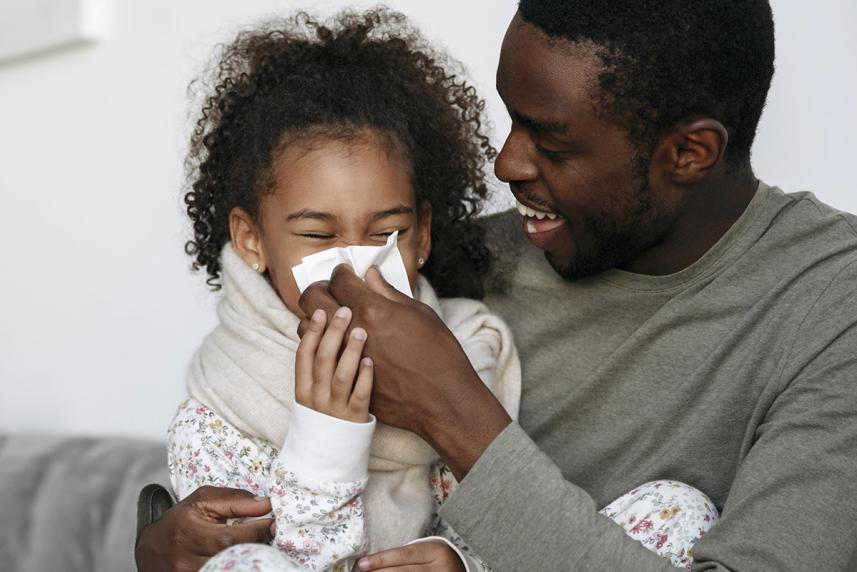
<point x="287" y="289"/>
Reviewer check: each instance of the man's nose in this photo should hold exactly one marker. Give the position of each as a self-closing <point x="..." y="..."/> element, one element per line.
<point x="515" y="160"/>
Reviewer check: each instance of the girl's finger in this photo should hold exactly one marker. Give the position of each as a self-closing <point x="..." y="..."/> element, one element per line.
<point x="328" y="352"/>
<point x="412" y="554"/>
<point x="346" y="369"/>
<point x="360" y="396"/>
<point x="409" y="568"/>
<point x="306" y="357"/>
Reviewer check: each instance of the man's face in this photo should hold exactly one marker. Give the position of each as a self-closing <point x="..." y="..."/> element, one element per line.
<point x="583" y="198"/>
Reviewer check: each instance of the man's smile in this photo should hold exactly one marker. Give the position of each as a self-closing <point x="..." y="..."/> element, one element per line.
<point x="539" y="225"/>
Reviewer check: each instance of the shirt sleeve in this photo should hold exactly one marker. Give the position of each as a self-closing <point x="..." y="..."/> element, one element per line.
<point x="790" y="507"/>
<point x="314" y="484"/>
<point x="793" y="503"/>
<point x="203" y="449"/>
<point x="318" y="478"/>
<point x="443" y="484"/>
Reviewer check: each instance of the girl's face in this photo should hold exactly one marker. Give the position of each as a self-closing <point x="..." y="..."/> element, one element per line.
<point x="329" y="194"/>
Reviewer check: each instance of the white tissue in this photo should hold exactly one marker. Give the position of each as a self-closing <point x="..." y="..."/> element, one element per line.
<point x="387" y="258"/>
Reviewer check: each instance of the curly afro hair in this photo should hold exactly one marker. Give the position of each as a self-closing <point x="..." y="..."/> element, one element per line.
<point x="302" y="78"/>
<point x="669" y="60"/>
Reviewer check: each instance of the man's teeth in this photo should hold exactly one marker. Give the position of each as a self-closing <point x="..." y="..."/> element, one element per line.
<point x="527" y="211"/>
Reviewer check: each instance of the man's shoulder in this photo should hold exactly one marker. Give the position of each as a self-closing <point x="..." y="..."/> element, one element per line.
<point x="806" y="255"/>
<point x="832" y="222"/>
<point x="810" y="232"/>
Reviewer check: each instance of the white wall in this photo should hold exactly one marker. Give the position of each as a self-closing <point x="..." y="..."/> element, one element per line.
<point x="99" y="313"/>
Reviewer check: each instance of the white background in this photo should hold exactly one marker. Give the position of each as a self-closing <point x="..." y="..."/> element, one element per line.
<point x="99" y="313"/>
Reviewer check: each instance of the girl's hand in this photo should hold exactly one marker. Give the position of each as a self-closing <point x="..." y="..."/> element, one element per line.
<point x="424" y="382"/>
<point x="428" y="556"/>
<point x="336" y="387"/>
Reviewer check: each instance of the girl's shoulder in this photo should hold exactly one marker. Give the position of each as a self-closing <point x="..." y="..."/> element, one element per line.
<point x="195" y="418"/>
<point x="467" y="319"/>
<point x="192" y="412"/>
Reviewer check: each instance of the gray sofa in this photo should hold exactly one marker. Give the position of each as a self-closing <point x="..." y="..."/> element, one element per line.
<point x="70" y="504"/>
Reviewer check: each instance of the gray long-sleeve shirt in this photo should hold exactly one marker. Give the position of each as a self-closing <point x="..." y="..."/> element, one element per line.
<point x="737" y="375"/>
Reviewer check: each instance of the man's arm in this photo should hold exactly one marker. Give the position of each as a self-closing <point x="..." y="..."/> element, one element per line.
<point x="424" y="383"/>
<point x="792" y="505"/>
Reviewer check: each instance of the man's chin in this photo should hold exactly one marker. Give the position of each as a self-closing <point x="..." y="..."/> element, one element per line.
<point x="578" y="267"/>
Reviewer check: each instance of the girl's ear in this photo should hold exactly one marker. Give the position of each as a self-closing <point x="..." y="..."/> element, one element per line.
<point x="247" y="239"/>
<point x="424" y="232"/>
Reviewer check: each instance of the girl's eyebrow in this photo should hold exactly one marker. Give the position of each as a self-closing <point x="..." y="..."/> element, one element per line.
<point x="307" y="213"/>
<point x="401" y="209"/>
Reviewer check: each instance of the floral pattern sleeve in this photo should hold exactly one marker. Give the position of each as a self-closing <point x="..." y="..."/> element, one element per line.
<point x="667" y="517"/>
<point x="319" y="522"/>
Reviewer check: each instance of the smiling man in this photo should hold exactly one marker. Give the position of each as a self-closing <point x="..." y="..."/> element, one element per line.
<point x="676" y="317"/>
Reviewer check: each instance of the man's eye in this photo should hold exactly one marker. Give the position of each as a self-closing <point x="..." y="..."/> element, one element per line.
<point x="317" y="236"/>
<point x="551" y="155"/>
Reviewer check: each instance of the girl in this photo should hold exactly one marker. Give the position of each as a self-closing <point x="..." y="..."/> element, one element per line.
<point x="316" y="136"/>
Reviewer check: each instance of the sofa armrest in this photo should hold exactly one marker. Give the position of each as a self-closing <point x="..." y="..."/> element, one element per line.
<point x="153" y="502"/>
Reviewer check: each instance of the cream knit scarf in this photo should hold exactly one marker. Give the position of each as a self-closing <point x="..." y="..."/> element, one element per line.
<point x="244" y="371"/>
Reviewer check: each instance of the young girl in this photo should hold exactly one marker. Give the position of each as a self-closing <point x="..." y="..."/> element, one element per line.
<point x="311" y="137"/>
<point x="315" y="137"/>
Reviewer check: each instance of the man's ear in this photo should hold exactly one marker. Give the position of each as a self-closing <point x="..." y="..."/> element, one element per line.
<point x="692" y="150"/>
<point x="424" y="231"/>
<point x="247" y="239"/>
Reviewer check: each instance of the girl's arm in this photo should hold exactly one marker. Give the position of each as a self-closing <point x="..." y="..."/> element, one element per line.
<point x="203" y="449"/>
<point x="315" y="489"/>
<point x="318" y="518"/>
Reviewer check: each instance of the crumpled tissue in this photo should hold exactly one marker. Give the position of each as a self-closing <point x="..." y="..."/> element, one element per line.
<point x="387" y="258"/>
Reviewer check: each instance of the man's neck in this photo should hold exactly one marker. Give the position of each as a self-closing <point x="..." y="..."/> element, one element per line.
<point x="708" y="213"/>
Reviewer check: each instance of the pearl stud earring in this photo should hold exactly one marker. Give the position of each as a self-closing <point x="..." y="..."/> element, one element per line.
<point x="256" y="266"/>
<point x="421" y="261"/>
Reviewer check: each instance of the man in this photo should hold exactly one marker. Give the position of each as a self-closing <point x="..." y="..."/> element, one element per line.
<point x="676" y="318"/>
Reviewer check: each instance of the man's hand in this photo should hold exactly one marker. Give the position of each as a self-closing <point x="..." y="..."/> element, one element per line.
<point x="428" y="556"/>
<point x="195" y="529"/>
<point x="423" y="381"/>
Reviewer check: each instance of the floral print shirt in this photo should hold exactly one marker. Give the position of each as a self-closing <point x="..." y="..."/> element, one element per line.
<point x="319" y="523"/>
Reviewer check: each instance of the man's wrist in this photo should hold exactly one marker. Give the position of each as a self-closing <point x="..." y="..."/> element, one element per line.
<point x="462" y="433"/>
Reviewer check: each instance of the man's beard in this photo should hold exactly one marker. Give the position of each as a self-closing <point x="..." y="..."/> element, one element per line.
<point x="617" y="242"/>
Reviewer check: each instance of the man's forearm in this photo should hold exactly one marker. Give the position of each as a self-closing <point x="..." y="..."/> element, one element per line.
<point x="460" y="436"/>
<point x="519" y="513"/>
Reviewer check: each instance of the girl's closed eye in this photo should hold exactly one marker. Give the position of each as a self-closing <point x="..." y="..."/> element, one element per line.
<point x="386" y="233"/>
<point x="317" y="235"/>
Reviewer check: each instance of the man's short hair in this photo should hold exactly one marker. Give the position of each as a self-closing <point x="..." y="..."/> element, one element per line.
<point x="670" y="60"/>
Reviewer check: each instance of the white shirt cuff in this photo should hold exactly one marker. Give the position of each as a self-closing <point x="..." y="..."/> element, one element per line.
<point x="449" y="543"/>
<point x="327" y="448"/>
